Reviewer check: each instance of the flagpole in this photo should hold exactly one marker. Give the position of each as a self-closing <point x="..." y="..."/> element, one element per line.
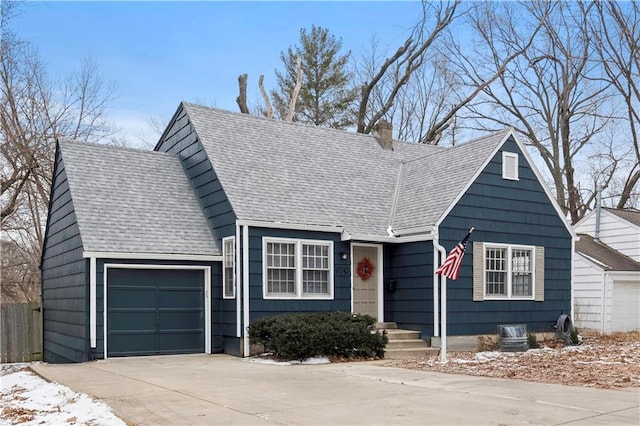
<point x="443" y="312"/>
<point x="443" y="320"/>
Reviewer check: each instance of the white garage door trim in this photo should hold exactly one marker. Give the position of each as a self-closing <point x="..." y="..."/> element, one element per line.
<point x="625" y="291"/>
<point x="206" y="270"/>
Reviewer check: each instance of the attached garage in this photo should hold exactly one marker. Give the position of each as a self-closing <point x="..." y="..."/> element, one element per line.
<point x="625" y="312"/>
<point x="156" y="310"/>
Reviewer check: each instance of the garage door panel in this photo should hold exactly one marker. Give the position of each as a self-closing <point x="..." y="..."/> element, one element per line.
<point x="625" y="315"/>
<point x="132" y="344"/>
<point x="132" y="321"/>
<point x="155" y="311"/>
<point x="170" y="320"/>
<point x="183" y="342"/>
<point x="184" y="298"/>
<point x="180" y="278"/>
<point x="131" y="277"/>
<point x="129" y="297"/>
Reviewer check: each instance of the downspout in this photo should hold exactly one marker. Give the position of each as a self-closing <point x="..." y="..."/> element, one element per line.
<point x="598" y="212"/>
<point x="92" y="302"/>
<point x="436" y="261"/>
<point x="443" y="295"/>
<point x="604" y="300"/>
<point x="245" y="289"/>
<point x="572" y="278"/>
<point x="237" y="282"/>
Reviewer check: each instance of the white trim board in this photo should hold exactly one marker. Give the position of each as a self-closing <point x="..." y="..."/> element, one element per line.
<point x="380" y="266"/>
<point x="151" y="256"/>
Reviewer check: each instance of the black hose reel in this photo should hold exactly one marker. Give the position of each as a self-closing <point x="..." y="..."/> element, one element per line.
<point x="564" y="327"/>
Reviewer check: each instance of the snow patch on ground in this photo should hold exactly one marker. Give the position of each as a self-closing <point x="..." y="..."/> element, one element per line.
<point x="28" y="399"/>
<point x="271" y="361"/>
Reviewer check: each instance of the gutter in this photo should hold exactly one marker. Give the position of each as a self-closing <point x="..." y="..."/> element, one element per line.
<point x="439" y="250"/>
<point x="245" y="289"/>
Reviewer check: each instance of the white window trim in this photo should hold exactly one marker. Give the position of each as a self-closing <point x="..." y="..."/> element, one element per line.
<point x="510" y="248"/>
<point x="224" y="268"/>
<point x="505" y="174"/>
<point x="298" y="290"/>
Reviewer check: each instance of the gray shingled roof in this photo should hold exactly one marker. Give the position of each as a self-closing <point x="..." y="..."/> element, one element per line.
<point x="608" y="258"/>
<point x="430" y="184"/>
<point x="134" y="201"/>
<point x="295" y="173"/>
<point x="632" y="216"/>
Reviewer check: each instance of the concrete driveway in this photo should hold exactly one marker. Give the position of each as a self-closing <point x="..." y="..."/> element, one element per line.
<point x="220" y="389"/>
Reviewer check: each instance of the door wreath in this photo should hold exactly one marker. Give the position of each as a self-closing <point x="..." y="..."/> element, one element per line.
<point x="365" y="269"/>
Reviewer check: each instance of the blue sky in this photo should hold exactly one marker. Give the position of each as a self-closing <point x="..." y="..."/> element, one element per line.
<point x="159" y="53"/>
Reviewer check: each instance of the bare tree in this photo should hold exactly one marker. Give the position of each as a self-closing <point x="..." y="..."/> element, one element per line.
<point x="433" y="91"/>
<point x="615" y="36"/>
<point x="34" y="111"/>
<point x="267" y="111"/>
<point x="241" y="100"/>
<point x="553" y="94"/>
<point x="384" y="81"/>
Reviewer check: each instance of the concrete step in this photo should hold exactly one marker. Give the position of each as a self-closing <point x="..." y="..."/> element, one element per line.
<point x="386" y="325"/>
<point x="402" y="334"/>
<point x="406" y="343"/>
<point x="411" y="353"/>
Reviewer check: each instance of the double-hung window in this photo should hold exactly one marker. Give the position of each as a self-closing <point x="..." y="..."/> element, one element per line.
<point x="295" y="269"/>
<point x="228" y="270"/>
<point x="508" y="271"/>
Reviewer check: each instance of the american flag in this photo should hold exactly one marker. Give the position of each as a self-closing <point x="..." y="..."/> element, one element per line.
<point x="450" y="268"/>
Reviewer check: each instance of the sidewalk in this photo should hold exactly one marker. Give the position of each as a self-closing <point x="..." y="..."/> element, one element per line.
<point x="220" y="389"/>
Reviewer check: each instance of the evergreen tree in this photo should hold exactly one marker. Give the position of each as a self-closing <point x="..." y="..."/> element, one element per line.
<point x="327" y="94"/>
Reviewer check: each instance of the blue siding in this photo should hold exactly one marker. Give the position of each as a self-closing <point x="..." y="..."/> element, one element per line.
<point x="64" y="279"/>
<point x="259" y="307"/>
<point x="510" y="212"/>
<point x="216" y="297"/>
<point x="410" y="305"/>
<point x="181" y="139"/>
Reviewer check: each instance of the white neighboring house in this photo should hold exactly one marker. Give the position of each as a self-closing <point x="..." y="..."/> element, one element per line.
<point x="607" y="271"/>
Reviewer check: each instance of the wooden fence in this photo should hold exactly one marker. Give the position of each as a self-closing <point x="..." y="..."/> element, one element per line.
<point x="20" y="332"/>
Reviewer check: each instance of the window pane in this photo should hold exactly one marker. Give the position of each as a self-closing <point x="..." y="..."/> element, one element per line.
<point x="228" y="282"/>
<point x="495" y="270"/>
<point x="315" y="282"/>
<point x="281" y="263"/>
<point x="521" y="269"/>
<point x="315" y="269"/>
<point x="281" y="281"/>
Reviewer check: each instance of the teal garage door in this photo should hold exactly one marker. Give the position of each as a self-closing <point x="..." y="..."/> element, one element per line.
<point x="155" y="311"/>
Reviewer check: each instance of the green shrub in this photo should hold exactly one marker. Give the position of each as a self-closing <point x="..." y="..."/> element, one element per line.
<point x="300" y="336"/>
<point x="574" y="337"/>
<point x="532" y="341"/>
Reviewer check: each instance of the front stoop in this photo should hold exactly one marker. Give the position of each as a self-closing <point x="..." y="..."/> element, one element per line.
<point x="405" y="344"/>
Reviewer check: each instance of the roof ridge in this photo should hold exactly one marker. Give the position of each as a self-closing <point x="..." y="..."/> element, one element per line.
<point x="300" y="124"/>
<point x="112" y="147"/>
<point x="462" y="145"/>
<point x="628" y="209"/>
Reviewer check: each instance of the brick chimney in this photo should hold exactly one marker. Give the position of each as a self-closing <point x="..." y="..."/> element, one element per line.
<point x="383" y="132"/>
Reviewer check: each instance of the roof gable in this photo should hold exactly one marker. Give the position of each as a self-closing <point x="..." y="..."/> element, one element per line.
<point x="604" y="256"/>
<point x="431" y="184"/>
<point x="300" y="174"/>
<point x="631" y="216"/>
<point x="133" y="201"/>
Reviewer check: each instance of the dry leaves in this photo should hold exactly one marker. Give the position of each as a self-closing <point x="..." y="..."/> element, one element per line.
<point x="603" y="361"/>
